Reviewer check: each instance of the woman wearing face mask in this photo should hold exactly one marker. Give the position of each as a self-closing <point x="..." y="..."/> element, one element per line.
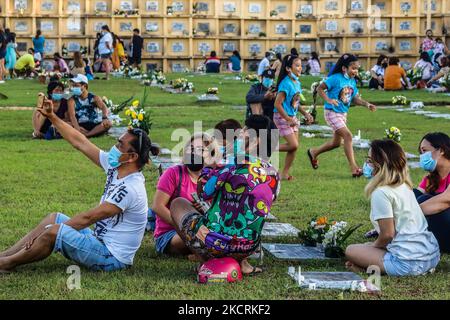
<point x="287" y="105"/>
<point x="41" y="125"/>
<point x="178" y="181"/>
<point x="433" y="192"/>
<point x="404" y="246"/>
<point x="339" y="91"/>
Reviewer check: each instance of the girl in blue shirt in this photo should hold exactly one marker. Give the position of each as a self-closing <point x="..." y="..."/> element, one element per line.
<point x="287" y="105"/>
<point x="341" y="91"/>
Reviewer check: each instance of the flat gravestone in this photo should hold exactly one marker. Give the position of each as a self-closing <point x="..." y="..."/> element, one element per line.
<point x="116" y="132"/>
<point x="316" y="128"/>
<point x="271" y="217"/>
<point x="361" y="144"/>
<point x="438" y="115"/>
<point x="414" y="164"/>
<point x="294" y="251"/>
<point x="165" y="152"/>
<point x="273" y="230"/>
<point x="330" y="280"/>
<point x="411" y="156"/>
<point x="208" y="97"/>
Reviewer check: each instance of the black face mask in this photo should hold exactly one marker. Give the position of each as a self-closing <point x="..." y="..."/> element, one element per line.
<point x="194" y="162"/>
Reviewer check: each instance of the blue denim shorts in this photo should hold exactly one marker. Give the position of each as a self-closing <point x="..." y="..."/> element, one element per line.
<point x="163" y="241"/>
<point x="398" y="267"/>
<point x="84" y="248"/>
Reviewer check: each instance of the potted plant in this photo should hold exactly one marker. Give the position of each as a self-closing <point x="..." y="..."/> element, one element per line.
<point x="335" y="237"/>
<point x="314" y="232"/>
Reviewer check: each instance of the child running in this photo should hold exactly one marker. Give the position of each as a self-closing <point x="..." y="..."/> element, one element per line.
<point x="287" y="105"/>
<point x="341" y="91"/>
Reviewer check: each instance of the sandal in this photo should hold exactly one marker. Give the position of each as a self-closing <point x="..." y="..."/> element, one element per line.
<point x="314" y="162"/>
<point x="358" y="173"/>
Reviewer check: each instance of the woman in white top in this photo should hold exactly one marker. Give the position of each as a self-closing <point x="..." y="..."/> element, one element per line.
<point x="314" y="64"/>
<point x="404" y="246"/>
<point x="425" y="64"/>
<point x="377" y="73"/>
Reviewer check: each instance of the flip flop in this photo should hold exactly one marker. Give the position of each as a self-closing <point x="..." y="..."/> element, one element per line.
<point x="314" y="162"/>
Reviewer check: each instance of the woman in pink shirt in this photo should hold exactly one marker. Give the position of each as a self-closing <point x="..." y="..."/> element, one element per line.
<point x="178" y="181"/>
<point x="433" y="193"/>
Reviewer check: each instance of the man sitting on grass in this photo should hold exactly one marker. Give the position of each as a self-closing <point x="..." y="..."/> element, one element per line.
<point x="83" y="108"/>
<point x="119" y="220"/>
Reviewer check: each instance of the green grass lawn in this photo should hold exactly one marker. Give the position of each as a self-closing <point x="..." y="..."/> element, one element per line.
<point x="40" y="177"/>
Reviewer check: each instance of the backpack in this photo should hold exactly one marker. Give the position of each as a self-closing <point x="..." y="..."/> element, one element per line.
<point x="151" y="218"/>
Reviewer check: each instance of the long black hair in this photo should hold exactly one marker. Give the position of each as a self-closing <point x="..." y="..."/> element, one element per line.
<point x="441" y="141"/>
<point x="345" y="61"/>
<point x="52" y="86"/>
<point x="425" y="57"/>
<point x="380" y="59"/>
<point x="288" y="61"/>
<point x="315" y="56"/>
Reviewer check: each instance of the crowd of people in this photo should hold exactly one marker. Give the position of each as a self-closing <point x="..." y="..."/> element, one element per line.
<point x="231" y="173"/>
<point x="109" y="54"/>
<point x="433" y="64"/>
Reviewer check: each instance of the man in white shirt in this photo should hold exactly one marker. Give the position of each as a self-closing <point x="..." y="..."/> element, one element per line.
<point x="264" y="64"/>
<point x="105" y="50"/>
<point x="119" y="220"/>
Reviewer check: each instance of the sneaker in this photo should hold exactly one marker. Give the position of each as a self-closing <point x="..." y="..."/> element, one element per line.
<point x="2" y="81"/>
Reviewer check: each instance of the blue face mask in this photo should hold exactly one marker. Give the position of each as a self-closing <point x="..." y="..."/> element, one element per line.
<point x="367" y="171"/>
<point x="267" y="82"/>
<point x="57" y="96"/>
<point x="293" y="76"/>
<point x="427" y="162"/>
<point x="239" y="146"/>
<point x="76" y="91"/>
<point x="114" y="156"/>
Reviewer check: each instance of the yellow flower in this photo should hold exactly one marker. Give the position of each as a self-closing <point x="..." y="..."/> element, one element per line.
<point x="140" y="117"/>
<point x="135" y="103"/>
<point x="127" y="112"/>
<point x="134" y="115"/>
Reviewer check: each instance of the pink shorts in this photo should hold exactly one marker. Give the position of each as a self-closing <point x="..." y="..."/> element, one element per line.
<point x="335" y="120"/>
<point x="283" y="126"/>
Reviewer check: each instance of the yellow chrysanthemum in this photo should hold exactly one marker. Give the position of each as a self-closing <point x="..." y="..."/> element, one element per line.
<point x="127" y="112"/>
<point x="135" y="103"/>
<point x="134" y="115"/>
<point x="140" y="117"/>
<point x="322" y="220"/>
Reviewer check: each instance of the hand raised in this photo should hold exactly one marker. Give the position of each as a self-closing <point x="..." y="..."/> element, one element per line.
<point x="46" y="108"/>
